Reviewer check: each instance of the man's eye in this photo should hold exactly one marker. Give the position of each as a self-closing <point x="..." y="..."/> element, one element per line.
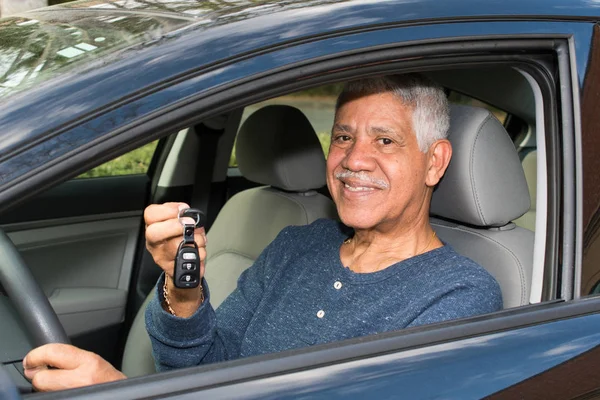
<point x="385" y="141"/>
<point x="342" y="138"/>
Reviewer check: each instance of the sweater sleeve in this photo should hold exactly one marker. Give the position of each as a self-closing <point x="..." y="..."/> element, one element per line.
<point x="206" y="336"/>
<point x="461" y="302"/>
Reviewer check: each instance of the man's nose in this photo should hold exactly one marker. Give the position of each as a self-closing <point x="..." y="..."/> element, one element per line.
<point x="359" y="157"/>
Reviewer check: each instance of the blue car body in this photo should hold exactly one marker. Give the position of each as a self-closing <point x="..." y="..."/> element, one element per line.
<point x="207" y="63"/>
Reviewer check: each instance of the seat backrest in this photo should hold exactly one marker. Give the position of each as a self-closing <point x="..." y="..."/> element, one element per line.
<point x="483" y="190"/>
<point x="276" y="146"/>
<point x="529" y="163"/>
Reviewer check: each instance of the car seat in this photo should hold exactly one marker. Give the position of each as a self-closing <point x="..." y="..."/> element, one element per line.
<point x="277" y="147"/>
<point x="483" y="190"/>
<point x="529" y="164"/>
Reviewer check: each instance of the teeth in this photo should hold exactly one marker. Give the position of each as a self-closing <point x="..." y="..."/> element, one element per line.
<point x="358" y="188"/>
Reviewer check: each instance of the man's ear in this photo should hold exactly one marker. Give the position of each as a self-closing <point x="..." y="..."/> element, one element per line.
<point x="439" y="153"/>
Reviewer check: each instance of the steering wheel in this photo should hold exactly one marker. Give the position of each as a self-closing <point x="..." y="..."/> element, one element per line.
<point x="27" y="296"/>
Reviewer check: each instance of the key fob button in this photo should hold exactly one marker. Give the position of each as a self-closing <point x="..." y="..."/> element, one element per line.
<point x="189" y="256"/>
<point x="188" y="279"/>
<point x="189" y="266"/>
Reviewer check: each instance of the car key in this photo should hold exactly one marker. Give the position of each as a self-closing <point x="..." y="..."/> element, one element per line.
<point x="186" y="274"/>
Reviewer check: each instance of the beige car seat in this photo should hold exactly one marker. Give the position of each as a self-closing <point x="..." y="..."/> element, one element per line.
<point x="483" y="190"/>
<point x="277" y="147"/>
<point x="529" y="164"/>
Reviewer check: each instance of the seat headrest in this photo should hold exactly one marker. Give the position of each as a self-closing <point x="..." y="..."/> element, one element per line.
<point x="484" y="184"/>
<point x="278" y="146"/>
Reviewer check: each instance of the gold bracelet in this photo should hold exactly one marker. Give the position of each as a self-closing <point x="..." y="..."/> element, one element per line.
<point x="167" y="303"/>
<point x="166" y="297"/>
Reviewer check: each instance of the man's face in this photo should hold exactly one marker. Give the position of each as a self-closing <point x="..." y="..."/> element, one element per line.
<point x="375" y="171"/>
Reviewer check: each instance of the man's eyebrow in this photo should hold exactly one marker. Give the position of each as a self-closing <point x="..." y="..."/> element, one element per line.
<point x="341" y="128"/>
<point x="382" y="129"/>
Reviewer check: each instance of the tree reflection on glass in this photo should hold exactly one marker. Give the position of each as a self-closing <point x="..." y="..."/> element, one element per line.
<point x="69" y="35"/>
<point x="32" y="50"/>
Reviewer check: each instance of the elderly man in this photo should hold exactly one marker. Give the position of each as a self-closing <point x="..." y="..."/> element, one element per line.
<point x="381" y="269"/>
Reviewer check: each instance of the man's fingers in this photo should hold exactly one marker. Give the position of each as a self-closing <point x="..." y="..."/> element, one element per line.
<point x="200" y="233"/>
<point x="162" y="212"/>
<point x="57" y="355"/>
<point x="57" y="379"/>
<point x="162" y="231"/>
<point x="74" y="368"/>
<point x="170" y="234"/>
<point x="31" y="372"/>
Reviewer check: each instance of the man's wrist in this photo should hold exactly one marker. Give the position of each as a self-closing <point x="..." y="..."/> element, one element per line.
<point x="181" y="302"/>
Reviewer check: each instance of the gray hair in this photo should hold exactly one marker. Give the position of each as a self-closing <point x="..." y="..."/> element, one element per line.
<point x="431" y="114"/>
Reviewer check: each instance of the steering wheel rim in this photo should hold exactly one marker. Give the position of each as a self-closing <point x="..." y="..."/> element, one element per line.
<point x="27" y="296"/>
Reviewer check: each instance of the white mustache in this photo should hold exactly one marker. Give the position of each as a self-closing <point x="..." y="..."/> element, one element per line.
<point x="362" y="177"/>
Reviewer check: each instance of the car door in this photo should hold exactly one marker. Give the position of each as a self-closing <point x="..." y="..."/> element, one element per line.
<point x="459" y="359"/>
<point x="80" y="240"/>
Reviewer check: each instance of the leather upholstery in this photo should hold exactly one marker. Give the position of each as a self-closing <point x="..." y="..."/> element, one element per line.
<point x="484" y="184"/>
<point x="248" y="222"/>
<point x="529" y="164"/>
<point x="278" y="146"/>
<point x="482" y="191"/>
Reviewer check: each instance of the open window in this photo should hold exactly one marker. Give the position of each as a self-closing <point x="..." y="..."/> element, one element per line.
<point x="520" y="99"/>
<point x="509" y="96"/>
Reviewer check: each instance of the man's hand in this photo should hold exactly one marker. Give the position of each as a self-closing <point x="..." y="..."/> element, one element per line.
<point x="164" y="232"/>
<point x="73" y="368"/>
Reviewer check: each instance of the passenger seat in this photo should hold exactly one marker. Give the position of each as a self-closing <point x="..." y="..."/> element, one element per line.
<point x="276" y="147"/>
<point x="483" y="190"/>
<point x="529" y="164"/>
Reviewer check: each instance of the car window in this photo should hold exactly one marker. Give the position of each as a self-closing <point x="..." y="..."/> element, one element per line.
<point x="135" y="162"/>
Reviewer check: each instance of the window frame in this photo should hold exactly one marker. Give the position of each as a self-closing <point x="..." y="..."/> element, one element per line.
<point x="552" y="134"/>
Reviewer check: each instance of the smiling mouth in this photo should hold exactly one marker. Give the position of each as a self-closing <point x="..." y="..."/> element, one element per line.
<point x="360" y="182"/>
<point x="358" y="188"/>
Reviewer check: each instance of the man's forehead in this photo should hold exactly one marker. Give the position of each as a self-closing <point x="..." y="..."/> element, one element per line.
<point x="382" y="99"/>
<point x="384" y="109"/>
<point x="377" y="118"/>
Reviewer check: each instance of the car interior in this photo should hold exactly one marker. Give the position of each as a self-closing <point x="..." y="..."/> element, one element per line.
<point x="259" y="169"/>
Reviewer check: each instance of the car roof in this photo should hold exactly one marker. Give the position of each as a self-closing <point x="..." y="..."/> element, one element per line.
<point x="231" y="10"/>
<point x="201" y="34"/>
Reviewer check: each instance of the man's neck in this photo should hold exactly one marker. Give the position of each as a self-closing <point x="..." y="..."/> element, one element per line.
<point x="374" y="250"/>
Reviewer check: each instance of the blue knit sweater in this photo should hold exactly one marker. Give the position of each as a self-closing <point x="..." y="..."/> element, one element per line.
<point x="298" y="293"/>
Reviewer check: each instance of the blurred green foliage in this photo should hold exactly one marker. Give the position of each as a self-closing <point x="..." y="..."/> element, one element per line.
<point x="134" y="162"/>
<point x="325" y="139"/>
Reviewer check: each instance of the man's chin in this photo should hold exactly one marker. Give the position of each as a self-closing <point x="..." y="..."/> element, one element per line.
<point x="357" y="220"/>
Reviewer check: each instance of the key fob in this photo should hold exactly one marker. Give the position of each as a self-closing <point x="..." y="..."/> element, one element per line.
<point x="187" y="261"/>
<point x="187" y="267"/>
